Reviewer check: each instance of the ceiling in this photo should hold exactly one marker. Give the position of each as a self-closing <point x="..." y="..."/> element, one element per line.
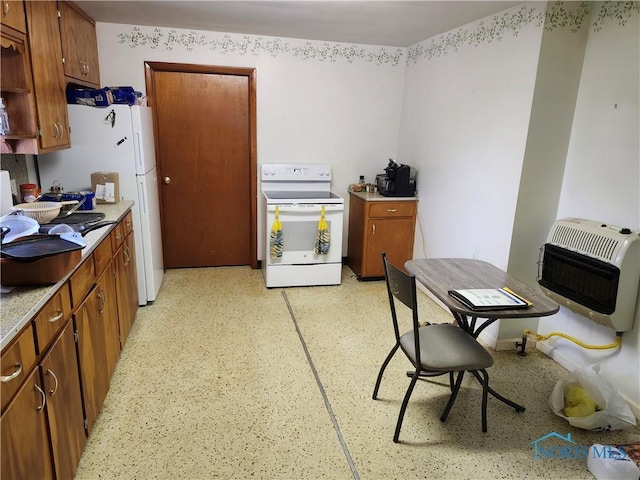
<point x="390" y="23"/>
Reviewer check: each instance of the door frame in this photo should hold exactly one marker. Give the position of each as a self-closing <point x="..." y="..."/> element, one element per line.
<point x="149" y="71"/>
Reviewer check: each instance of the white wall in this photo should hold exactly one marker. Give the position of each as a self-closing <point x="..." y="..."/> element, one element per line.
<point x="602" y="182"/>
<point x="316" y="101"/>
<point x="464" y="127"/>
<point x="467" y="108"/>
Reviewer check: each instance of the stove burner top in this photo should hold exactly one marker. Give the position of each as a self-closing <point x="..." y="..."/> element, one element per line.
<point x="279" y="197"/>
<point x="300" y="195"/>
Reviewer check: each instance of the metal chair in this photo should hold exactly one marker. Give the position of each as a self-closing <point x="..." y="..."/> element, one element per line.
<point x="434" y="349"/>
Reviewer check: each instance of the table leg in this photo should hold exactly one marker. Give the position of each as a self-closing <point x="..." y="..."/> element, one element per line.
<point x="518" y="408"/>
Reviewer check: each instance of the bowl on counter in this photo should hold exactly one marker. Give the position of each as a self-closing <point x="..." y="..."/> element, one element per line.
<point x="41" y="212"/>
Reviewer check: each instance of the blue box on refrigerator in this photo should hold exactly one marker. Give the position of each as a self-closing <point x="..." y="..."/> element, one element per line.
<point x="102" y="97"/>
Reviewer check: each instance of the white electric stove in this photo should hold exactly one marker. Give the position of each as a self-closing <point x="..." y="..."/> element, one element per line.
<point x="299" y="196"/>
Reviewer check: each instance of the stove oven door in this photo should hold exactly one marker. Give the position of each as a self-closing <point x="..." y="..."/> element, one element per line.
<point x="299" y="230"/>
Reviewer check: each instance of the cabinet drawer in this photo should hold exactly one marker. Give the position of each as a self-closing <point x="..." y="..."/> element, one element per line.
<point x="82" y="280"/>
<point x="52" y="318"/>
<point x="102" y="255"/>
<point x="16" y="364"/>
<point x="392" y="209"/>
<point x="117" y="235"/>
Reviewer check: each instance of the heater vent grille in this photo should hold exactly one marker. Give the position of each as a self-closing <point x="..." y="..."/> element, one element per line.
<point x="589" y="243"/>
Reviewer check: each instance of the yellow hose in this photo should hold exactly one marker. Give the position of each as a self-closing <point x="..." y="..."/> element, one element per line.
<point x="542" y="338"/>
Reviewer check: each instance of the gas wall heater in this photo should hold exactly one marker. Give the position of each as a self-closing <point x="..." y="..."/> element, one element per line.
<point x="593" y="269"/>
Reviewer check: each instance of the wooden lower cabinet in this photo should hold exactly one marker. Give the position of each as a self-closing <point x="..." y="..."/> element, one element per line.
<point x="56" y="373"/>
<point x="126" y="286"/>
<point x="26" y="453"/>
<point x="376" y="226"/>
<point x="45" y="420"/>
<point x="96" y="323"/>
<point x="61" y="384"/>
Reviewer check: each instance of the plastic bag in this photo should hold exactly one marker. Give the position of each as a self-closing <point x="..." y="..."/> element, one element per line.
<point x="614" y="413"/>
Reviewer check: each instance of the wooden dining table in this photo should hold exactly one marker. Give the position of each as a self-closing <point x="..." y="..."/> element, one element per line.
<point x="441" y="275"/>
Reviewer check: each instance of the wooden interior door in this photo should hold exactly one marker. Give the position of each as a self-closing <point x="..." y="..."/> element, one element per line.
<point x="204" y="119"/>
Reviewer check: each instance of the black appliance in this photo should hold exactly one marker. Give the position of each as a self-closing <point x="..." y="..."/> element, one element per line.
<point x="397" y="181"/>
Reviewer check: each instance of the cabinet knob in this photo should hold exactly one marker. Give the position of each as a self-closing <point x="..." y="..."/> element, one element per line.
<point x="166" y="180"/>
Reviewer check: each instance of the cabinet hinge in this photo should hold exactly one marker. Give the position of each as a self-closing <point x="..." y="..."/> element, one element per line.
<point x="75" y="336"/>
<point x="58" y="13"/>
<point x="64" y="61"/>
<point x="39" y="133"/>
<point x="86" y="424"/>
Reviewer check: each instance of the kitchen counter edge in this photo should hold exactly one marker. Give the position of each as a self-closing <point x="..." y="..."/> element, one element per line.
<point x="18" y="306"/>
<point x="377" y="197"/>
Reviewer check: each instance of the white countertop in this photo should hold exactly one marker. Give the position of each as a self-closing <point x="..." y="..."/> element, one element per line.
<point x="18" y="306"/>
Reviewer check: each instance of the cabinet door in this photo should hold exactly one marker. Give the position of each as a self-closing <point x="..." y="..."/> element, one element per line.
<point x="391" y="235"/>
<point x="25" y="443"/>
<point x="79" y="45"/>
<point x="59" y="370"/>
<point x="98" y="343"/>
<point x="48" y="75"/>
<point x="13" y="15"/>
<point x="126" y="286"/>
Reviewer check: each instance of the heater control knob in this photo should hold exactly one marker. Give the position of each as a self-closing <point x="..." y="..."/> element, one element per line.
<point x="625" y="231"/>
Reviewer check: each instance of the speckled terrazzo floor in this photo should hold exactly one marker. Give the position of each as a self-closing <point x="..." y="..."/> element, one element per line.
<point x="216" y="382"/>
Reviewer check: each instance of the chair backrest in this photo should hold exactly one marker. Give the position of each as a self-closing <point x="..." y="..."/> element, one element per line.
<point x="402" y="286"/>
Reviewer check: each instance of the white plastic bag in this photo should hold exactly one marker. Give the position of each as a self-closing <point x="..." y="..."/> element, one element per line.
<point x="614" y="413"/>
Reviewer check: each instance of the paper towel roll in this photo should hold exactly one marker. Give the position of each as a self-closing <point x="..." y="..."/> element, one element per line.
<point x="6" y="200"/>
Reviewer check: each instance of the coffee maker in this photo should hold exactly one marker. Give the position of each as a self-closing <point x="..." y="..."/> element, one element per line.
<point x="397" y="181"/>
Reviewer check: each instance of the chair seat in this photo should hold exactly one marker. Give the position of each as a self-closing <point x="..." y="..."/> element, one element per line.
<point x="450" y="349"/>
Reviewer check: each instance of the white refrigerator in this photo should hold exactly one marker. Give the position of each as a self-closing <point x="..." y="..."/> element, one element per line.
<point x="117" y="138"/>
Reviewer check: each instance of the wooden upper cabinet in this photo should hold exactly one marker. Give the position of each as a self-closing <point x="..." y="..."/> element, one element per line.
<point x="12" y="15"/>
<point x="16" y="89"/>
<point x="79" y="46"/>
<point x="48" y="76"/>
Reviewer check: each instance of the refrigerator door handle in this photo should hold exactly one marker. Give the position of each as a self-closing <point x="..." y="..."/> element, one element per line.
<point x="142" y="197"/>
<point x="137" y="148"/>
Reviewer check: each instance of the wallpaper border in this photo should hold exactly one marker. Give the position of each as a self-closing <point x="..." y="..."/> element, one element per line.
<point x="565" y="15"/>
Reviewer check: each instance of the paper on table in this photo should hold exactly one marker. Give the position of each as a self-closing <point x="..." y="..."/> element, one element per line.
<point x="489" y="298"/>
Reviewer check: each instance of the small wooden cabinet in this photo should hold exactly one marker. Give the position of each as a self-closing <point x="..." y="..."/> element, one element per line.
<point x="12" y="15"/>
<point x="48" y="76"/>
<point x="379" y="224"/>
<point x="61" y="384"/>
<point x="96" y="323"/>
<point x="25" y="441"/>
<point x="126" y="276"/>
<point x="16" y="86"/>
<point x="79" y="46"/>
